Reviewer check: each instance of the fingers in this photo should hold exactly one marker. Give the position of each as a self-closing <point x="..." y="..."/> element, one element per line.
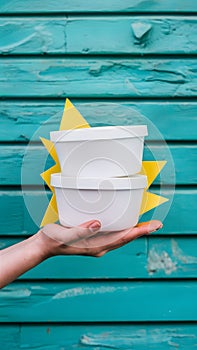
<point x="69" y="235"/>
<point x="84" y="231"/>
<point x="104" y="241"/>
<point x="114" y="240"/>
<point x="142" y="229"/>
<point x="91" y="224"/>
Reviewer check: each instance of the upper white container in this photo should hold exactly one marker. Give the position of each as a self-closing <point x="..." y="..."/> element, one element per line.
<point x="115" y="202"/>
<point x="100" y="151"/>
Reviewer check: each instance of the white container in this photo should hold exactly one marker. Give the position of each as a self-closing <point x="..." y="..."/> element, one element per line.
<point x="115" y="202"/>
<point x="101" y="151"/>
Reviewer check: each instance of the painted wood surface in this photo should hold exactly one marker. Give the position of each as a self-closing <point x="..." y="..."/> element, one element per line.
<point x="23" y="121"/>
<point x="99" y="301"/>
<point x="148" y="257"/>
<point x="76" y="35"/>
<point x="29" y="162"/>
<point x="22" y="212"/>
<point x="101" y="77"/>
<point x="100" y="337"/>
<point x="64" y="6"/>
<point x="87" y="303"/>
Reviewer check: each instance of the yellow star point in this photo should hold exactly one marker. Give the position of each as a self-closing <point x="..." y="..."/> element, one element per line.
<point x="46" y="175"/>
<point x="151" y="169"/>
<point x="151" y="201"/>
<point x="51" y="214"/>
<point x="50" y="148"/>
<point x="72" y="119"/>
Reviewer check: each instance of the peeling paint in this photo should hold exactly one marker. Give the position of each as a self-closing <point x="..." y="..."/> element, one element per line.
<point x="140" y="29"/>
<point x="20" y="293"/>
<point x="36" y="36"/>
<point x="129" y="340"/>
<point x="8" y="48"/>
<point x="160" y="261"/>
<point x="131" y="86"/>
<point x="179" y="254"/>
<point x="168" y="257"/>
<point x="73" y="292"/>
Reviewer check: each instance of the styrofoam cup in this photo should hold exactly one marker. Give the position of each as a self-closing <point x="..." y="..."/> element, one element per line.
<point x="115" y="202"/>
<point x="100" y="151"/>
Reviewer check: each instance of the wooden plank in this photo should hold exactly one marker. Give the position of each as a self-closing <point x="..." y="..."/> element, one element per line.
<point x="99" y="301"/>
<point x="102" y="337"/>
<point x="147" y="257"/>
<point x="104" y="77"/>
<point x="29" y="162"/>
<point x="48" y="6"/>
<point x="114" y="35"/>
<point x="131" y="262"/>
<point x="27" y="120"/>
<point x="120" y="35"/>
<point x="174" y="257"/>
<point x="22" y="212"/>
<point x="40" y="35"/>
<point x="10" y="337"/>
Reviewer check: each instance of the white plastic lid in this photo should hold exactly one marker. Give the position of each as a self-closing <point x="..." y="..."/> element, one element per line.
<point x="99" y="133"/>
<point x="117" y="183"/>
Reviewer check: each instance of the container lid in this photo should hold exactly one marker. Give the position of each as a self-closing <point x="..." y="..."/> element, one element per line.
<point x="99" y="133"/>
<point x="104" y="183"/>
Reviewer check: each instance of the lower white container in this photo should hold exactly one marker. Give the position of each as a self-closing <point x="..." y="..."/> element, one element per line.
<point x="100" y="151"/>
<point x="115" y="202"/>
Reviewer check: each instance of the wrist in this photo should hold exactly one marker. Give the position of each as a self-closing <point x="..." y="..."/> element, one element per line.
<point x="46" y="245"/>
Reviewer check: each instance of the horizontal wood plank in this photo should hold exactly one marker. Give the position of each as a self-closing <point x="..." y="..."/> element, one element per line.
<point x="48" y="6"/>
<point x="99" y="301"/>
<point x="104" y="77"/>
<point x="131" y="261"/>
<point x="21" y="214"/>
<point x="147" y="257"/>
<point x="103" y="337"/>
<point x="27" y="120"/>
<point x="114" y="35"/>
<point x="29" y="162"/>
<point x="38" y="35"/>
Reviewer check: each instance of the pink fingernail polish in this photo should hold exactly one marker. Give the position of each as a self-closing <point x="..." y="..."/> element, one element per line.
<point x="95" y="226"/>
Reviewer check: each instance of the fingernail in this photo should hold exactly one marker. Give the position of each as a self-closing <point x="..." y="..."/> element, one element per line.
<point x="154" y="226"/>
<point x="95" y="226"/>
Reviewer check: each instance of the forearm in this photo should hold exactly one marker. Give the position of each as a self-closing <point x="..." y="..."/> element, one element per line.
<point x="21" y="257"/>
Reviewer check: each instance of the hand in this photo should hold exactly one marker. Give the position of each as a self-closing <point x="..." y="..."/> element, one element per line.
<point x="54" y="239"/>
<point x="86" y="239"/>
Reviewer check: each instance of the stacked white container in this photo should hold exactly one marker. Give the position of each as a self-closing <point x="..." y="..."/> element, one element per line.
<point x="98" y="178"/>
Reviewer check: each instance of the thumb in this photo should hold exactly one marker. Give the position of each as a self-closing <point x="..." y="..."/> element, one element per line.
<point x="92" y="224"/>
<point x="67" y="235"/>
<point x="85" y="230"/>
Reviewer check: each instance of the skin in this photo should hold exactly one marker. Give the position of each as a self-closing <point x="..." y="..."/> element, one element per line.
<point x="53" y="240"/>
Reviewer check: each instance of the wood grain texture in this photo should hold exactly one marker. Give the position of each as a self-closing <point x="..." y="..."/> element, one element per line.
<point x="114" y="35"/>
<point x="22" y="121"/>
<point x="99" y="301"/>
<point x="98" y="77"/>
<point x="29" y="162"/>
<point x="48" y="6"/>
<point x="101" y="337"/>
<point x="148" y="257"/>
<point x="21" y="213"/>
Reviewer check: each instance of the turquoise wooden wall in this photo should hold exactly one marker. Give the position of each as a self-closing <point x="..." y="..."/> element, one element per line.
<point x="142" y="296"/>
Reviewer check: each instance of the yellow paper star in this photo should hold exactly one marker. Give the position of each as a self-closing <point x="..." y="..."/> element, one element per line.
<point x="72" y="119"/>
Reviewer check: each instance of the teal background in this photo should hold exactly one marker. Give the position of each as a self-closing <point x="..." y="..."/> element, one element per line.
<point x="118" y="61"/>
